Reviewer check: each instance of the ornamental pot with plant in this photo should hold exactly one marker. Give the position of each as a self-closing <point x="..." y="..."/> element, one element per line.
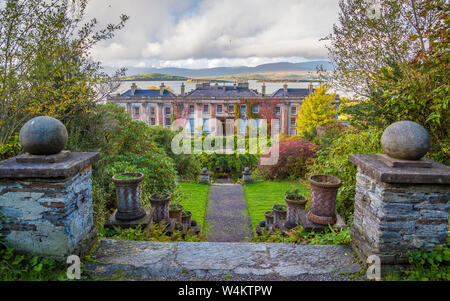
<point x="269" y="217"/>
<point x="128" y="193"/>
<point x="175" y="211"/>
<point x="324" y="190"/>
<point x="295" y="201"/>
<point x="186" y="219"/>
<point x="160" y="206"/>
<point x="279" y="215"/>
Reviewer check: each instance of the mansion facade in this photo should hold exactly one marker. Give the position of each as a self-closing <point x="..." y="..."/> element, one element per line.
<point x="213" y="107"/>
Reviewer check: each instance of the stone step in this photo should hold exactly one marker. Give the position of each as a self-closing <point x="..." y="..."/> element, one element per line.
<point x="141" y="260"/>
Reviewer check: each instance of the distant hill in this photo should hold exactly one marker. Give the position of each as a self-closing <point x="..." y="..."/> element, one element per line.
<point x="228" y="71"/>
<point x="154" y="77"/>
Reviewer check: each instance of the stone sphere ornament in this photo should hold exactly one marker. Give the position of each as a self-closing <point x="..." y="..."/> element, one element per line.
<point x="43" y="135"/>
<point x="405" y="140"/>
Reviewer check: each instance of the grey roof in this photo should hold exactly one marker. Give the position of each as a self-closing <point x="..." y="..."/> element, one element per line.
<point x="149" y="92"/>
<point x="291" y="92"/>
<point x="229" y="91"/>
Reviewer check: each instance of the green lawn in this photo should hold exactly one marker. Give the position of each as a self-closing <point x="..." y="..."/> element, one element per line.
<point x="260" y="197"/>
<point x="196" y="200"/>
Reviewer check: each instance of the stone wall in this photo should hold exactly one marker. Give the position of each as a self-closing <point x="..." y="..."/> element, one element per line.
<point x="48" y="217"/>
<point x="392" y="218"/>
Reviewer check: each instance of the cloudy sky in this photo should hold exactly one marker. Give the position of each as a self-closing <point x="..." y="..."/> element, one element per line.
<point x="212" y="33"/>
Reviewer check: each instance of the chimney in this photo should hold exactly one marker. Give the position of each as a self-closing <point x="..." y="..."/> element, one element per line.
<point x="263" y="89"/>
<point x="182" y="89"/>
<point x="161" y="89"/>
<point x="310" y="88"/>
<point x="133" y="88"/>
<point x="285" y="87"/>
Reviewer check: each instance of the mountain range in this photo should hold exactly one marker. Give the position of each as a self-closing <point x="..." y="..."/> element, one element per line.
<point x="227" y="71"/>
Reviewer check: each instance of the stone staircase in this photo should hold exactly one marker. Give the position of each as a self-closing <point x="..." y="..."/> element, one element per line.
<point x="140" y="260"/>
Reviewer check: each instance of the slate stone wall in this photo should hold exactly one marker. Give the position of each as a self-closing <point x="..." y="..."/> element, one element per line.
<point x="390" y="219"/>
<point x="48" y="217"/>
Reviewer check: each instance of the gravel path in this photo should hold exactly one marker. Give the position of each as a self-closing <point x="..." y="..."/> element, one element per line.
<point x="227" y="214"/>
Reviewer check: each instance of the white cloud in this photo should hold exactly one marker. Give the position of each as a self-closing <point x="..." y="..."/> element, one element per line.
<point x="210" y="33"/>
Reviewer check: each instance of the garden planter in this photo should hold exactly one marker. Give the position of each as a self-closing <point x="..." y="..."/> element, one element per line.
<point x="293" y="208"/>
<point x="324" y="190"/>
<point x="175" y="212"/>
<point x="160" y="207"/>
<point x="269" y="217"/>
<point x="279" y="215"/>
<point x="186" y="219"/>
<point x="128" y="193"/>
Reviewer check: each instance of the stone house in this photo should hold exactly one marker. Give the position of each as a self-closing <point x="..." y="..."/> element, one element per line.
<point x="216" y="102"/>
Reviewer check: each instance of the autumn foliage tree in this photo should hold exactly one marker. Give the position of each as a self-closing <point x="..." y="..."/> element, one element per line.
<point x="45" y="63"/>
<point x="316" y="109"/>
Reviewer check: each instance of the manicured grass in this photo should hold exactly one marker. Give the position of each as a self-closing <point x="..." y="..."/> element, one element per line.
<point x="261" y="196"/>
<point x="196" y="200"/>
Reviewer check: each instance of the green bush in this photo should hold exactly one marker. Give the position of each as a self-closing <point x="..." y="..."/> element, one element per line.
<point x="227" y="164"/>
<point x="158" y="169"/>
<point x="10" y="149"/>
<point x="333" y="160"/>
<point x="187" y="165"/>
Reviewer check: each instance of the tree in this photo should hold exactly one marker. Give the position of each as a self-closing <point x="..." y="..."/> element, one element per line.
<point x="363" y="42"/>
<point x="316" y="109"/>
<point x="400" y="62"/>
<point x="45" y="67"/>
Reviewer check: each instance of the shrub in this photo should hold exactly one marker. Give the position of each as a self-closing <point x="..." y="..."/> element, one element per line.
<point x="158" y="169"/>
<point x="294" y="156"/>
<point x="10" y="149"/>
<point x="316" y="109"/>
<point x="187" y="165"/>
<point x="229" y="164"/>
<point x="334" y="161"/>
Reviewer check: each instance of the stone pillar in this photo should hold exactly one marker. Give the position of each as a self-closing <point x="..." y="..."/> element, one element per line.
<point x="204" y="175"/>
<point x="46" y="194"/>
<point x="246" y="175"/>
<point x="48" y="205"/>
<point x="398" y="209"/>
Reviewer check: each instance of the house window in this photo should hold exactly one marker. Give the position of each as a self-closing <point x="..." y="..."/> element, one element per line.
<point x="206" y="125"/>
<point x="152" y="111"/>
<point x="230" y="108"/>
<point x="191" y="109"/>
<point x="293" y="132"/>
<point x="167" y="110"/>
<point x="205" y="109"/>
<point x="293" y="122"/>
<point x="277" y="111"/>
<point x="242" y="126"/>
<point x="277" y="123"/>
<point x="191" y="125"/>
<point x="219" y="108"/>
<point x="255" y="109"/>
<point x="293" y="110"/>
<point x="152" y="121"/>
<point x="136" y="111"/>
<point x="167" y="121"/>
<point x="243" y="109"/>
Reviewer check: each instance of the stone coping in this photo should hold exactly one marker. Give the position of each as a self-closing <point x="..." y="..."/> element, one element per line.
<point x="65" y="168"/>
<point x="372" y="165"/>
<point x="144" y="260"/>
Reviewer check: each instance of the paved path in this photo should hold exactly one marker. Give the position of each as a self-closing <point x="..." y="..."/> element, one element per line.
<point x="227" y="217"/>
<point x="142" y="260"/>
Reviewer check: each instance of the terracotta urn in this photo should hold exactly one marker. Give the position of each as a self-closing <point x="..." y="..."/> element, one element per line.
<point x="324" y="190"/>
<point x="160" y="207"/>
<point x="128" y="194"/>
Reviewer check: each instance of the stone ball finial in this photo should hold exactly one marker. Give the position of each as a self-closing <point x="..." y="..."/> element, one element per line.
<point x="406" y="140"/>
<point x="43" y="135"/>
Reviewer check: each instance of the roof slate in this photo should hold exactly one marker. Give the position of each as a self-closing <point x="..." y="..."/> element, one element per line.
<point x="148" y="92"/>
<point x="291" y="92"/>
<point x="230" y="91"/>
